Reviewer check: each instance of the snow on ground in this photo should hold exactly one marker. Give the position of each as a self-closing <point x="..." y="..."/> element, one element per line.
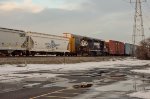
<point x="141" y="94"/>
<point x="19" y="77"/>
<point x="143" y="71"/>
<point x="147" y="71"/>
<point x="8" y="72"/>
<point x="89" y="65"/>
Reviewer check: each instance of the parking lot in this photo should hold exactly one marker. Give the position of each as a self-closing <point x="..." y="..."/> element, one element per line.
<point x="106" y="83"/>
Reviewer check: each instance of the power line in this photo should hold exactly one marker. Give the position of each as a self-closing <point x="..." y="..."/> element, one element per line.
<point x="138" y="28"/>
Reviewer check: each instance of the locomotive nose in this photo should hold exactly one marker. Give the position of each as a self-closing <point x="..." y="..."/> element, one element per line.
<point x="84" y="43"/>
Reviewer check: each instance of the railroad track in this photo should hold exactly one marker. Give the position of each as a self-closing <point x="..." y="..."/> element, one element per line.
<point x="53" y="59"/>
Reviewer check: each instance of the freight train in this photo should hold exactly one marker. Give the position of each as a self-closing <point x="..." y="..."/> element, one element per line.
<point x="20" y="43"/>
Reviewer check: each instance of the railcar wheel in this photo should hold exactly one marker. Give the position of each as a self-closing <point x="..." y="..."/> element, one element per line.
<point x="13" y="54"/>
<point x="33" y="54"/>
<point x="20" y="54"/>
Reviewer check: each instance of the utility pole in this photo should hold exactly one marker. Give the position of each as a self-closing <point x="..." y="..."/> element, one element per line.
<point x="138" y="29"/>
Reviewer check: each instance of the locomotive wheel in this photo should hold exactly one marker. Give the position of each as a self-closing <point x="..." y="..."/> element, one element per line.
<point x="20" y="54"/>
<point x="33" y="54"/>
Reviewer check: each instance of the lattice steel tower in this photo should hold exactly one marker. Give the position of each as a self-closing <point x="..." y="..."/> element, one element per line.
<point x="138" y="29"/>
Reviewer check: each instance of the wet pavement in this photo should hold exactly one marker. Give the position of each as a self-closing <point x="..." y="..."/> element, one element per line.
<point x="108" y="83"/>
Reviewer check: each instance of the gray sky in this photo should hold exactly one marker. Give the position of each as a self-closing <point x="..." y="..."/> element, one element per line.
<point x="104" y="19"/>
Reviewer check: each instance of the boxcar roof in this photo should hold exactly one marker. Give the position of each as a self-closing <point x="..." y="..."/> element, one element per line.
<point x="15" y="30"/>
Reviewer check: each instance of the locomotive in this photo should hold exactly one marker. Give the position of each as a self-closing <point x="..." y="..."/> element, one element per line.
<point x="85" y="46"/>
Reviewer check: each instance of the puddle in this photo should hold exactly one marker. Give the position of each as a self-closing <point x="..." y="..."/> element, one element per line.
<point x="31" y="85"/>
<point x="59" y="82"/>
<point x="6" y="87"/>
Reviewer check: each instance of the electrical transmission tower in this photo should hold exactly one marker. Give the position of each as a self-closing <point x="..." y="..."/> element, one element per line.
<point x="138" y="29"/>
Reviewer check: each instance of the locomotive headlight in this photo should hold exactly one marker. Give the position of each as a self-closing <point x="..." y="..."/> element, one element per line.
<point x="84" y="43"/>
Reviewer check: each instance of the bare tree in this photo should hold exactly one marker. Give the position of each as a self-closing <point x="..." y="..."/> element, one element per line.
<point x="143" y="50"/>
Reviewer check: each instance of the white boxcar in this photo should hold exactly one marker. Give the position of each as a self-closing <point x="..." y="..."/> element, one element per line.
<point x="12" y="40"/>
<point x="39" y="42"/>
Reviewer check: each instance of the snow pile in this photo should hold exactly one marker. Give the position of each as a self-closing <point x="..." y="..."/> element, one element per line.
<point x="89" y="65"/>
<point x="141" y="94"/>
<point x="147" y="71"/>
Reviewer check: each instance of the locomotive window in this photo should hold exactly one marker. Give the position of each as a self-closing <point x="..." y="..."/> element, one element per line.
<point x="2" y="44"/>
<point x="22" y="35"/>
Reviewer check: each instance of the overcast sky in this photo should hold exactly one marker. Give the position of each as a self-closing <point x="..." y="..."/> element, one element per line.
<point x="104" y="19"/>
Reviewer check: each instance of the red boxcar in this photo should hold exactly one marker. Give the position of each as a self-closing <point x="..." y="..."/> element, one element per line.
<point x="115" y="47"/>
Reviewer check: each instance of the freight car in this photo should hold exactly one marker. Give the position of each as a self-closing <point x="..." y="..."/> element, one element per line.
<point x="44" y="44"/>
<point x="115" y="47"/>
<point x="12" y="42"/>
<point x="85" y="46"/>
<point x="130" y="49"/>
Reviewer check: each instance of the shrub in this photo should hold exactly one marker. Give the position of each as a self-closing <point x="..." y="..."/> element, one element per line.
<point x="143" y="50"/>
